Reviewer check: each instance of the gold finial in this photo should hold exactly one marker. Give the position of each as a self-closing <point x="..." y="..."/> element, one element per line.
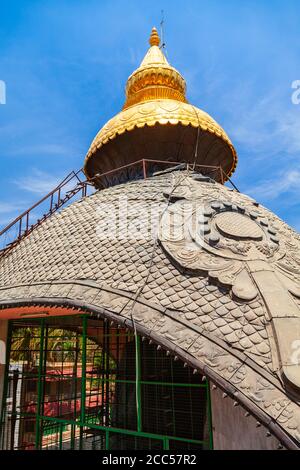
<point x="155" y="78"/>
<point x="154" y="39"/>
<point x="153" y="117"/>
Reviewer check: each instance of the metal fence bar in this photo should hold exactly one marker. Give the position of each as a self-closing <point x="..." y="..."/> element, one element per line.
<point x="210" y="427"/>
<point x="83" y="369"/>
<point x="38" y="424"/>
<point x="24" y="228"/>
<point x="67" y="430"/>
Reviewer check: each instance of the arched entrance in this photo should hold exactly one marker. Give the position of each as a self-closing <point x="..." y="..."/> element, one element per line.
<point x="77" y="382"/>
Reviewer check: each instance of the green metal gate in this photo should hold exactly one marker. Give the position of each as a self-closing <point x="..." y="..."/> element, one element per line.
<point x="80" y="383"/>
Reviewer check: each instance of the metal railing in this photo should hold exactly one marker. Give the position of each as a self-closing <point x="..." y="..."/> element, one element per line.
<point x="54" y="200"/>
<point x="73" y="185"/>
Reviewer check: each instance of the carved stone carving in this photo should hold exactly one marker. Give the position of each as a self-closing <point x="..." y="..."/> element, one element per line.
<point x="239" y="246"/>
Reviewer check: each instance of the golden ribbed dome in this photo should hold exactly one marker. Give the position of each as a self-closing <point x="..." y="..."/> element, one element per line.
<point x="155" y="78"/>
<point x="158" y="123"/>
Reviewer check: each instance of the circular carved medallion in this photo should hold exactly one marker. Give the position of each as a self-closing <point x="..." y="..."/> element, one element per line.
<point x="238" y="226"/>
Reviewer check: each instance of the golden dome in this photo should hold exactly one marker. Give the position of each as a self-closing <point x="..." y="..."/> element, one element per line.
<point x="155" y="78"/>
<point x="158" y="123"/>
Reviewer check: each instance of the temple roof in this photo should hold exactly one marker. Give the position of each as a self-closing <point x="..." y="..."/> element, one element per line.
<point x="158" y="122"/>
<point x="225" y="294"/>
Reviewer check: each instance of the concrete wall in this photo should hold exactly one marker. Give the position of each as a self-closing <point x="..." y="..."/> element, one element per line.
<point x="232" y="430"/>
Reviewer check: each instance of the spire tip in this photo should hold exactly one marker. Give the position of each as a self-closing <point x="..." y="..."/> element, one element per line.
<point x="154" y="38"/>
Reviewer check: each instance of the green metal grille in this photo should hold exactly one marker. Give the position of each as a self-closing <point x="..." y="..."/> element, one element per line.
<point x="79" y="383"/>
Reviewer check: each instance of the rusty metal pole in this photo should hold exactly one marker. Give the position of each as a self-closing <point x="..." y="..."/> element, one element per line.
<point x="58" y="197"/>
<point x="144" y="169"/>
<point x="51" y="202"/>
<point x="20" y="228"/>
<point x="221" y="174"/>
<point x="27" y="221"/>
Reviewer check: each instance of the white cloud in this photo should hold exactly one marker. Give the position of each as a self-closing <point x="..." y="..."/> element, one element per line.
<point x="282" y="183"/>
<point x="9" y="211"/>
<point x="264" y="126"/>
<point x="39" y="182"/>
<point x="8" y="207"/>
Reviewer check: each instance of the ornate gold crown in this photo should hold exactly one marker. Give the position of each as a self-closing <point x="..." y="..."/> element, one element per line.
<point x="155" y="78"/>
<point x="158" y="123"/>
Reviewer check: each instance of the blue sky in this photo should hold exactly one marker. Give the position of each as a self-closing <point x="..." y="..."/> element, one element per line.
<point x="65" y="64"/>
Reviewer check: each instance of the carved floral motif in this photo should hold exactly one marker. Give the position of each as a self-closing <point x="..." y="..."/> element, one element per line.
<point x="240" y="245"/>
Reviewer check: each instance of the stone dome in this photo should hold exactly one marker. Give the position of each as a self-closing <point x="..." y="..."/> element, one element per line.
<point x="223" y="294"/>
